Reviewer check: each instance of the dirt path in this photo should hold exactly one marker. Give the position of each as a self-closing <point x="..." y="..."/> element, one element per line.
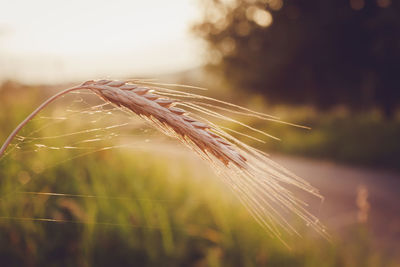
<point x="342" y="185"/>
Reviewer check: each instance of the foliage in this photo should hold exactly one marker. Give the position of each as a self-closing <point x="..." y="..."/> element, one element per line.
<point x="364" y="139"/>
<point x="308" y="52"/>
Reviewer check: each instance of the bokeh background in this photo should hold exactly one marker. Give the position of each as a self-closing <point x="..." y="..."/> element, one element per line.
<point x="129" y="197"/>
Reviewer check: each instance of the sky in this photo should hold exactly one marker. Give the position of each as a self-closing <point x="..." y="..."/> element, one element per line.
<point x="52" y="41"/>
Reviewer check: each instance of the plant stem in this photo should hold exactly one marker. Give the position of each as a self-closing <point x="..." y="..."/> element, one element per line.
<point x="33" y="114"/>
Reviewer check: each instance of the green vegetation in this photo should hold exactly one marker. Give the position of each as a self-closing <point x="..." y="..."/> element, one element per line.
<point x="365" y="139"/>
<point x="150" y="210"/>
<point x="159" y="217"/>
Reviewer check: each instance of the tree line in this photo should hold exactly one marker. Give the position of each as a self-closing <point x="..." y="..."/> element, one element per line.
<point x="323" y="53"/>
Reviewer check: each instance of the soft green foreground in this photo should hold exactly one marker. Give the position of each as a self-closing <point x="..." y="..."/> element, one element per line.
<point x="149" y="212"/>
<point x="150" y="209"/>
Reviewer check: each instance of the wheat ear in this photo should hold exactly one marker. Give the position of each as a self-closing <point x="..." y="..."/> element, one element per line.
<point x="261" y="185"/>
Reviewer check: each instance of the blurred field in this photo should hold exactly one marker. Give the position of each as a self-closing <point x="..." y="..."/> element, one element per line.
<point x="134" y="207"/>
<point x="85" y="185"/>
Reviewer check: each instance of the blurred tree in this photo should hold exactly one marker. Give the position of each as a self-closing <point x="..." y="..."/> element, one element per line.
<point x="308" y="51"/>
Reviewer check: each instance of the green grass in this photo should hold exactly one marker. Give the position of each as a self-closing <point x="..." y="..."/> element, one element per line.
<point x="163" y="215"/>
<point x="151" y="209"/>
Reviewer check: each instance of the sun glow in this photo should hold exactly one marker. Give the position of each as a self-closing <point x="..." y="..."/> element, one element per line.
<point x="49" y="40"/>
